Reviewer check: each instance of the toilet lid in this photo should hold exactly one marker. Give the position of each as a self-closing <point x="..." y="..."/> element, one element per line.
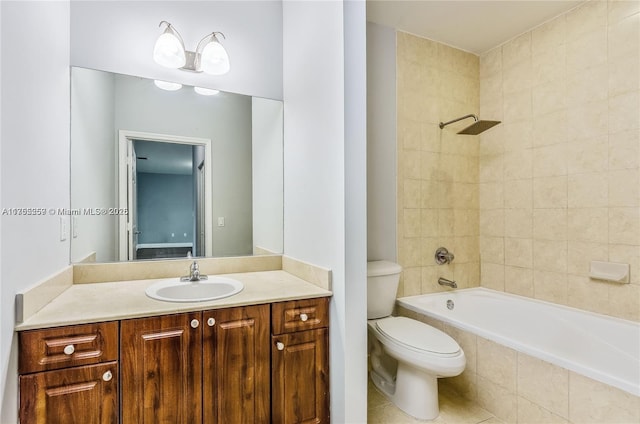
<point x="417" y="335"/>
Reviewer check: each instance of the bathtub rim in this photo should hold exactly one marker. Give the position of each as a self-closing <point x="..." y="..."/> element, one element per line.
<point x="625" y="385"/>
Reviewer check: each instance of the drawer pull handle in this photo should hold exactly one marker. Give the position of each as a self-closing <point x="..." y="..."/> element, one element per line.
<point x="195" y="323"/>
<point x="211" y="322"/>
<point x="107" y="376"/>
<point x="69" y="349"/>
<point x="304" y="317"/>
<point x="280" y="346"/>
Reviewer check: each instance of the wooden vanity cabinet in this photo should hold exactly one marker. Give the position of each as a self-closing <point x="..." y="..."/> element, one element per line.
<point x="161" y="363"/>
<point x="300" y="362"/>
<point x="69" y="375"/>
<point x="201" y="367"/>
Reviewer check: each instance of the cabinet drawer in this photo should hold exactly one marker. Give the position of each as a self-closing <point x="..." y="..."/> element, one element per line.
<point x="298" y="315"/>
<point x="55" y="348"/>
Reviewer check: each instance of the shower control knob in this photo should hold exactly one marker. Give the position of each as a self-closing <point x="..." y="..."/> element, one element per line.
<point x="195" y="323"/>
<point x="280" y="346"/>
<point x="303" y="317"/>
<point x="69" y="349"/>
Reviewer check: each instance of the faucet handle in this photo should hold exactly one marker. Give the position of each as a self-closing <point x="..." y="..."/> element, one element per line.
<point x="443" y="256"/>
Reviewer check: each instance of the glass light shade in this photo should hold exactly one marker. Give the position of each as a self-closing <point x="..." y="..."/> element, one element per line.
<point x="169" y="51"/>
<point x="214" y="59"/>
<point x="206" y="91"/>
<point x="169" y="86"/>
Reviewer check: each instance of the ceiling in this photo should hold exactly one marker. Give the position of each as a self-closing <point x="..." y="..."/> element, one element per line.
<point x="472" y="25"/>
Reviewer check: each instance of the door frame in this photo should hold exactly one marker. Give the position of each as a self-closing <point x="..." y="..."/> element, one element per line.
<point x="125" y="143"/>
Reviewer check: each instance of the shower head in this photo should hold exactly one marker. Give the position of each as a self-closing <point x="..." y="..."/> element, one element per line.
<point x="474" y="129"/>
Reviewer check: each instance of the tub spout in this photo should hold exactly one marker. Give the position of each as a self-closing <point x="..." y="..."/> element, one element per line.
<point x="445" y="282"/>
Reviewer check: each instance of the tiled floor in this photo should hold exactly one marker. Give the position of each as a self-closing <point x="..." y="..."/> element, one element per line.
<point x="453" y="410"/>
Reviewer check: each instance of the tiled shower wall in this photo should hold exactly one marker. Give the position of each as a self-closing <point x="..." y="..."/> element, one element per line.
<point x="559" y="180"/>
<point x="553" y="187"/>
<point x="438" y="194"/>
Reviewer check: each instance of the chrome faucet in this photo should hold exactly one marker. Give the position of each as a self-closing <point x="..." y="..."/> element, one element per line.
<point x="443" y="256"/>
<point x="194" y="273"/>
<point x="445" y="282"/>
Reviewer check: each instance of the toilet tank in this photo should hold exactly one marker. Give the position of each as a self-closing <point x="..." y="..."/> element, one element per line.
<point x="382" y="285"/>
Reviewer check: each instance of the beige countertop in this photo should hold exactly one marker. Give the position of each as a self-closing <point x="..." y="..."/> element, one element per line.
<point x="97" y="302"/>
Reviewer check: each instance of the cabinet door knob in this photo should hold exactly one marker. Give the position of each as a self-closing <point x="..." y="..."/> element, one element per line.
<point x="303" y="317"/>
<point x="280" y="346"/>
<point x="107" y="376"/>
<point x="69" y="349"/>
<point x="195" y="323"/>
<point x="211" y="322"/>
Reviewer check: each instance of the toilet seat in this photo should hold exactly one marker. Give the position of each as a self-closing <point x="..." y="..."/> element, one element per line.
<point x="418" y="336"/>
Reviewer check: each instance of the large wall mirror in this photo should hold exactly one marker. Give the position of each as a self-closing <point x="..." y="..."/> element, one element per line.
<point x="160" y="174"/>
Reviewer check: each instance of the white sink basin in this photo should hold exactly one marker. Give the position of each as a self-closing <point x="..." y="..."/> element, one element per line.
<point x="188" y="291"/>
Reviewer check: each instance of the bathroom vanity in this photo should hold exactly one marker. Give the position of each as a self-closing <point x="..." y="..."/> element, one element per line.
<point x="246" y="359"/>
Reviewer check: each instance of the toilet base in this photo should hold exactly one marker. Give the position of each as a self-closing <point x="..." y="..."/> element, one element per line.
<point x="415" y="392"/>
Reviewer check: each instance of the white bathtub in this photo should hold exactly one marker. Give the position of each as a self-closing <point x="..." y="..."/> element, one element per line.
<point x="602" y="348"/>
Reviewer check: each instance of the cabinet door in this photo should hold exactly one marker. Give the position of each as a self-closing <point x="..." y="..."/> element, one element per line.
<point x="161" y="362"/>
<point x="236" y="365"/>
<point x="80" y="395"/>
<point x="300" y="377"/>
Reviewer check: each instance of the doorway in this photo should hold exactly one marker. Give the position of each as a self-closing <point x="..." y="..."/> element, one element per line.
<point x="165" y="185"/>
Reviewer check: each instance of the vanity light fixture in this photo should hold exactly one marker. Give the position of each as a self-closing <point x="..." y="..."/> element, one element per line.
<point x="210" y="56"/>
<point x="206" y="91"/>
<point x="166" y="85"/>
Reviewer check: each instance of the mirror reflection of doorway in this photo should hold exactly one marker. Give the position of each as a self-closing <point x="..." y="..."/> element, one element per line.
<point x="165" y="180"/>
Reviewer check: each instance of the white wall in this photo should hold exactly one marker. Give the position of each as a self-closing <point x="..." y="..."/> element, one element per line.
<point x="119" y="37"/>
<point x="93" y="168"/>
<point x="35" y="160"/>
<point x="316" y="211"/>
<point x="381" y="142"/>
<point x="267" y="175"/>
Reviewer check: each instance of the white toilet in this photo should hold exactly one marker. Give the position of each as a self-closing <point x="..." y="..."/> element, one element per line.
<point x="407" y="356"/>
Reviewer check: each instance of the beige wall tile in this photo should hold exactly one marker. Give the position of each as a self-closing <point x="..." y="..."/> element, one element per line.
<point x="518" y="165"/>
<point x="491" y="143"/>
<point x="624" y="301"/>
<point x="548" y="97"/>
<point x="518" y="281"/>
<point x="492" y="276"/>
<point x="624" y="150"/>
<point x="624" y="188"/>
<point x="550" y="128"/>
<point x="624" y="226"/>
<point x="620" y="70"/>
<point x="518" y="252"/>
<point x="587" y="190"/>
<point x="492" y="222"/>
<point x="550" y="224"/>
<point x="587" y="294"/>
<point x="518" y="223"/>
<point x="590" y="85"/>
<point x="531" y="413"/>
<point x="544" y="384"/>
<point x="588" y="120"/>
<point x="549" y="36"/>
<point x="466" y="222"/>
<point x="497" y="399"/>
<point x="549" y="65"/>
<point x="550" y="255"/>
<point x="624" y="112"/>
<point x="430" y="275"/>
<point x="517" y="105"/>
<point x="517" y="135"/>
<point x="516" y="51"/>
<point x="550" y="286"/>
<point x="468" y="343"/>
<point x="624" y="37"/>
<point x="592" y="401"/>
<point x="491" y="62"/>
<point x="491" y="195"/>
<point x="550" y="161"/>
<point x="497" y="363"/>
<point x="588" y="224"/>
<point x="492" y="250"/>
<point x="590" y="15"/>
<point x="550" y="192"/>
<point x="491" y="168"/>
<point x="518" y="194"/>
<point x="589" y="155"/>
<point x="411" y="227"/>
<point x="412" y="191"/>
<point x="580" y="254"/>
<point x="411" y="281"/>
<point x="587" y="50"/>
<point x="628" y="255"/>
<point x="620" y="9"/>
